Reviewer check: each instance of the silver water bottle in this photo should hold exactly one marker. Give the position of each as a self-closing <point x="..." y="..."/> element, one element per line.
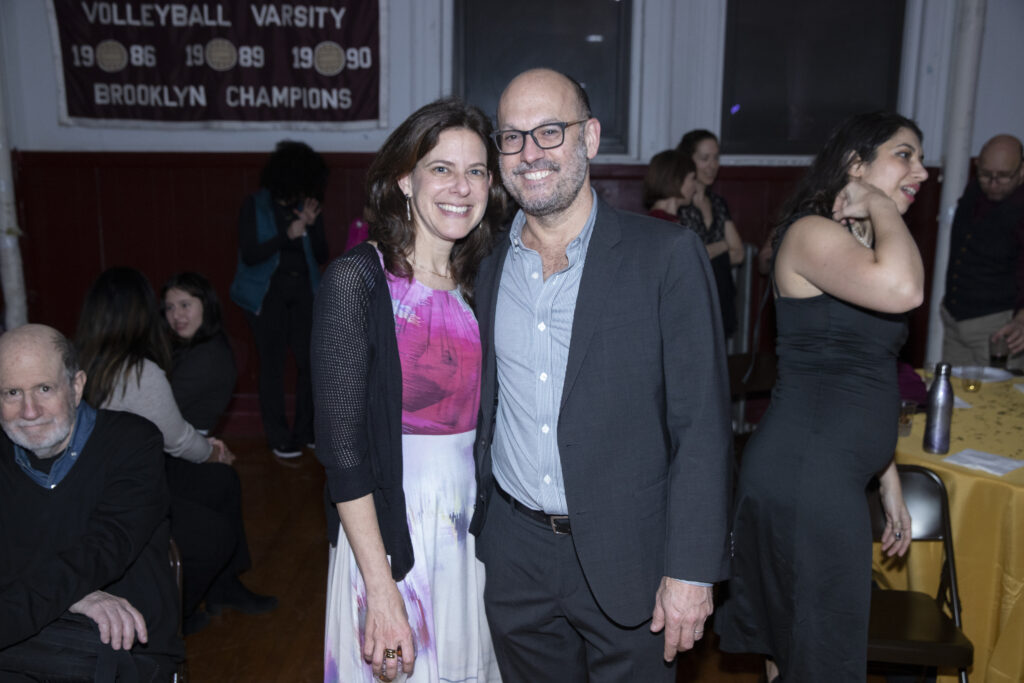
<point x="940" y="412"/>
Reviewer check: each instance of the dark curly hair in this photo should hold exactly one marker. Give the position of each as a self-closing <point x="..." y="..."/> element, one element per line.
<point x="198" y="286"/>
<point x="386" y="204"/>
<point x="856" y="139"/>
<point x="118" y="328"/>
<point x="293" y="172"/>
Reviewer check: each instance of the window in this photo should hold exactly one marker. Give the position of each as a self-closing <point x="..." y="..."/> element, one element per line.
<point x="586" y="39"/>
<point x="795" y="68"/>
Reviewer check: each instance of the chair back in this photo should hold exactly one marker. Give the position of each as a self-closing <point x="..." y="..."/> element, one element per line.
<point x="928" y="504"/>
<point x="904" y="630"/>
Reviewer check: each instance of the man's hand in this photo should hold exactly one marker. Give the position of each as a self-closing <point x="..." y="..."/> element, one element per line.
<point x="681" y="609"/>
<point x="119" y="623"/>
<point x="1013" y="332"/>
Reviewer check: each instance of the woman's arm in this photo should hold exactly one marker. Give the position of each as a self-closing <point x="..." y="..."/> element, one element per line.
<point x="340" y="368"/>
<point x="387" y="625"/>
<point x="717" y="248"/>
<point x="150" y="396"/>
<point x="821" y="255"/>
<point x="896" y="537"/>
<point x="734" y="243"/>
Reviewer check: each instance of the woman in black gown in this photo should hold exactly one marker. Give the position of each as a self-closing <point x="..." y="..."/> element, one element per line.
<point x="846" y="269"/>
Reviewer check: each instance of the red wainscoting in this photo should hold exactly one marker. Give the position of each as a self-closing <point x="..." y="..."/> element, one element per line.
<point x="82" y="212"/>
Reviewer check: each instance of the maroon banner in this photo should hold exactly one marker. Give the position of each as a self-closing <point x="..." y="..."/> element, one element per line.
<point x="219" y="61"/>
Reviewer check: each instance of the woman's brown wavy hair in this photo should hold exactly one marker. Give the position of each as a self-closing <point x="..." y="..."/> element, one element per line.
<point x="386" y="204"/>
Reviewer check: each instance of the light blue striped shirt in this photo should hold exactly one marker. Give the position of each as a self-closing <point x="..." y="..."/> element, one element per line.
<point x="532" y="329"/>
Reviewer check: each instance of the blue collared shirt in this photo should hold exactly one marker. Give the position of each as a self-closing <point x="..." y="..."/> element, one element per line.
<point x="532" y="330"/>
<point x="85" y="420"/>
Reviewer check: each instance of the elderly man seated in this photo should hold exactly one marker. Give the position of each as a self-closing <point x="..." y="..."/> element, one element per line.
<point x="86" y="589"/>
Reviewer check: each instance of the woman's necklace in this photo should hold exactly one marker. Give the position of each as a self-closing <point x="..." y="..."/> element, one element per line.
<point x="860" y="233"/>
<point x="428" y="270"/>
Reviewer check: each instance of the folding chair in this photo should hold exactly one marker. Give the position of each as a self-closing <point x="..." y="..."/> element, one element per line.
<point x="909" y="627"/>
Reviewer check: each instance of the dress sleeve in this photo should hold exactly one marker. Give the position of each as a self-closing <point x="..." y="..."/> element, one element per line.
<point x="151" y="397"/>
<point x="340" y="355"/>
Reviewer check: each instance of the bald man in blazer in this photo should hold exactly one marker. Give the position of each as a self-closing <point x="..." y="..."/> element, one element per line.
<point x="604" y="439"/>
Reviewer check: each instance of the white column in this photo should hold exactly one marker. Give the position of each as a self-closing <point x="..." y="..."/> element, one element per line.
<point x="970" y="25"/>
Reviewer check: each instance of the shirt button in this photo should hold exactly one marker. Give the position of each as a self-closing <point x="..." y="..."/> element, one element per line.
<point x="542" y="327"/>
<point x="543" y="377"/>
<point x="545" y="429"/>
<point x="535" y="275"/>
<point x="547" y="478"/>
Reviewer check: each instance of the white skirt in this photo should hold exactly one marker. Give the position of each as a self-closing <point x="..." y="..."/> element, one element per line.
<point x="443" y="592"/>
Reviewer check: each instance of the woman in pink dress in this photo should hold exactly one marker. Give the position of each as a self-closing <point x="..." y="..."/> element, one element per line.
<point x="396" y="371"/>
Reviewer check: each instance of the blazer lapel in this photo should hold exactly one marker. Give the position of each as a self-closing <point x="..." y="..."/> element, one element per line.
<point x="487" y="301"/>
<point x="598" y="278"/>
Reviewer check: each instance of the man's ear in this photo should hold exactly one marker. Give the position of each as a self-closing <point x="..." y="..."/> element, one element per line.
<point x="592" y="137"/>
<point x="78" y="386"/>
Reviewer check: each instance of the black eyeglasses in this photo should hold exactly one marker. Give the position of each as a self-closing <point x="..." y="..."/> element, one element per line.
<point x="545" y="136"/>
<point x="995" y="177"/>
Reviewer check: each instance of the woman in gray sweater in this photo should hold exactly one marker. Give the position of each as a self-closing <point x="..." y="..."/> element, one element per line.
<point x="124" y="352"/>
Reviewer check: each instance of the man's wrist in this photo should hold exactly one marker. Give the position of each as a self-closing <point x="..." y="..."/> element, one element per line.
<point x="702" y="584"/>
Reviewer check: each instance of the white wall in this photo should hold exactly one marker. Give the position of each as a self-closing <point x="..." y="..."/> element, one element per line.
<point x="677" y="75"/>
<point x="999" y="103"/>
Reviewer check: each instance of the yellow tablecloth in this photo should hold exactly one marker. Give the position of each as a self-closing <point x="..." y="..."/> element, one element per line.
<point x="987" y="514"/>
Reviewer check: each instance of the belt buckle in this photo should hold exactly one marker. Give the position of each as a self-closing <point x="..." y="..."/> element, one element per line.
<point x="553" y="521"/>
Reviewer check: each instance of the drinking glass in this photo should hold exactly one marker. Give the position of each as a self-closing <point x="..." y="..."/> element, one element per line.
<point x="907" y="410"/>
<point x="998" y="352"/>
<point x="970" y="377"/>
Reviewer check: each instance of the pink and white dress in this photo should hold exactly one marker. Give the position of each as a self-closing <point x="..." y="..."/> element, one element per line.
<point x="439" y="347"/>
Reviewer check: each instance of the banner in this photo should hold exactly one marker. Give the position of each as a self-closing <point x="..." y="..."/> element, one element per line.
<point x="220" y="64"/>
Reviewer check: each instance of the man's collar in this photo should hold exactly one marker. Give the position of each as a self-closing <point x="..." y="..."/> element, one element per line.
<point x="85" y="420"/>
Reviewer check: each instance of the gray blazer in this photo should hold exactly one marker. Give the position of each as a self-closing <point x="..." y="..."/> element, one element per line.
<point x="644" y="432"/>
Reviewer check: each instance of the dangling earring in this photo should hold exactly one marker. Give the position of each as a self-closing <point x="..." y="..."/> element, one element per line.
<point x="408" y="209"/>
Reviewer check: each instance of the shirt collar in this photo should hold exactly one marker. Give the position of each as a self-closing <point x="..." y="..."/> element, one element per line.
<point x="85" y="420"/>
<point x="575" y="249"/>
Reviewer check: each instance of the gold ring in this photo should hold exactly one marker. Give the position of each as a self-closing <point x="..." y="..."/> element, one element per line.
<point x="389" y="653"/>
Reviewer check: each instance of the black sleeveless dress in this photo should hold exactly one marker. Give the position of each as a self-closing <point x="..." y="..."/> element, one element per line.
<point x="802" y="535"/>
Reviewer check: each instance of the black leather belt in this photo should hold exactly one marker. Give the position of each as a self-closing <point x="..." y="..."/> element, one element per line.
<point x="557" y="523"/>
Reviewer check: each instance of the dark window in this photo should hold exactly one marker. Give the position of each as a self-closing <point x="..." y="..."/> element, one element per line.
<point x="586" y="39"/>
<point x="796" y="68"/>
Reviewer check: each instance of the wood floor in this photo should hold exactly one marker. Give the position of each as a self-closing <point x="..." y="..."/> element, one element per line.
<point x="285" y="524"/>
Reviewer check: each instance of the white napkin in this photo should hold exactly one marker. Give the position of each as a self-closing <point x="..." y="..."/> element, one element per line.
<point x="960" y="403"/>
<point x="986" y="462"/>
<point x="1019" y="387"/>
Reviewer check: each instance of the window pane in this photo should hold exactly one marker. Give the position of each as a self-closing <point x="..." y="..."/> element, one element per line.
<point x="796" y="68"/>
<point x="586" y="39"/>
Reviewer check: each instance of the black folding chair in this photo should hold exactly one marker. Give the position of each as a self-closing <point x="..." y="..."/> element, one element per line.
<point x="909" y="627"/>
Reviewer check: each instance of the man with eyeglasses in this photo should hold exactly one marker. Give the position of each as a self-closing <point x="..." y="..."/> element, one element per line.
<point x="984" y="300"/>
<point x="604" y="439"/>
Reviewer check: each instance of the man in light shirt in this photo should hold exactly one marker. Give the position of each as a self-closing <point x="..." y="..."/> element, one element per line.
<point x="604" y="438"/>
